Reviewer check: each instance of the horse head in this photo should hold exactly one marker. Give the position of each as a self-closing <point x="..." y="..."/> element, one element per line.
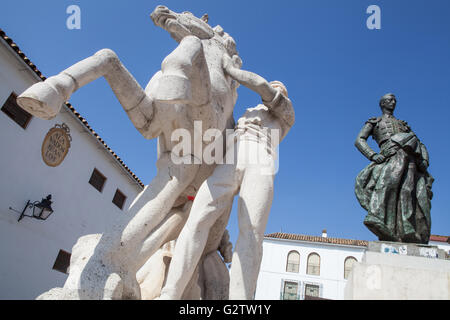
<point x="180" y="25"/>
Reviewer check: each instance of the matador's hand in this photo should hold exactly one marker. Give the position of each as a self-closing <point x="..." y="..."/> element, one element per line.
<point x="378" y="158"/>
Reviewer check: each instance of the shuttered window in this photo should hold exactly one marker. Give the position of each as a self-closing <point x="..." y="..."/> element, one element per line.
<point x="293" y="262"/>
<point x="119" y="199"/>
<point x="290" y="290"/>
<point x="313" y="266"/>
<point x="97" y="180"/>
<point x="348" y="265"/>
<point x="312" y="290"/>
<point x="16" y="113"/>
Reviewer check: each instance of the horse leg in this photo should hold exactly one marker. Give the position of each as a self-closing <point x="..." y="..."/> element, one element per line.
<point x="118" y="249"/>
<point x="44" y="99"/>
<point x="167" y="230"/>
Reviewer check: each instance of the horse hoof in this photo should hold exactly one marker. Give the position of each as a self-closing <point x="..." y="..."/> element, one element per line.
<point x="41" y="100"/>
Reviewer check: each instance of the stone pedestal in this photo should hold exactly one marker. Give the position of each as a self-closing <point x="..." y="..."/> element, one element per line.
<point x="400" y="271"/>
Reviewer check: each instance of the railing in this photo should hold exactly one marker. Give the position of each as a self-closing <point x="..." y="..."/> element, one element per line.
<point x="290" y="296"/>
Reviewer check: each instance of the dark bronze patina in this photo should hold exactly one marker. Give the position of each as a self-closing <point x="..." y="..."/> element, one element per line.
<point x="395" y="188"/>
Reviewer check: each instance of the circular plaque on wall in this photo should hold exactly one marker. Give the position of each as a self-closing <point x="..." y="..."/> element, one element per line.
<point x="56" y="145"/>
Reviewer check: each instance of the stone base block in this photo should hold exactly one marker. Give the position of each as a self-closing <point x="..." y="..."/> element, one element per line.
<point x="396" y="271"/>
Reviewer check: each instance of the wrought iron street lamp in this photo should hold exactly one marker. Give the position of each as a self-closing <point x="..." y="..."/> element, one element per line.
<point x="40" y="210"/>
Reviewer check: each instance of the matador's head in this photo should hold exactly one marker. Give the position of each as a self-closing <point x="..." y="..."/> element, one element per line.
<point x="388" y="102"/>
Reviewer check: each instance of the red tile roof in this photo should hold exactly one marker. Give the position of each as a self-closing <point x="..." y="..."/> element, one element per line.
<point x="440" y="238"/>
<point x="364" y="243"/>
<point x="301" y="237"/>
<point x="33" y="67"/>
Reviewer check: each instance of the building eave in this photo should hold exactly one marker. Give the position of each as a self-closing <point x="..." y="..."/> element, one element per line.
<point x="279" y="236"/>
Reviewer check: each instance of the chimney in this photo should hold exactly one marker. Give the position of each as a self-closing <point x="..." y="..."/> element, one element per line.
<point x="324" y="233"/>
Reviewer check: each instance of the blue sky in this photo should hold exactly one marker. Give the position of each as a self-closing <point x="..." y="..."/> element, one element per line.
<point x="335" y="70"/>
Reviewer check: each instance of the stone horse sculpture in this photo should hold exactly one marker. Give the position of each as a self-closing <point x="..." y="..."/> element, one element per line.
<point x="191" y="86"/>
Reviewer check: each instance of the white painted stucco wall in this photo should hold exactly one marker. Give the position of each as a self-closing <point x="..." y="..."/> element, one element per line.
<point x="28" y="248"/>
<point x="331" y="279"/>
<point x="441" y="245"/>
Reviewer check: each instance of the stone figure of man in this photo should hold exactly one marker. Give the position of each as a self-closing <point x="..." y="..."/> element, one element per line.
<point x="395" y="188"/>
<point x="253" y="180"/>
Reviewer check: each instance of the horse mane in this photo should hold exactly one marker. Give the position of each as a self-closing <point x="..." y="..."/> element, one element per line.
<point x="228" y="42"/>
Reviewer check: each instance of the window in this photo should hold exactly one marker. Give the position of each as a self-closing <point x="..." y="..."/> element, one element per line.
<point x="348" y="265"/>
<point x="97" y="180"/>
<point x="293" y="261"/>
<point x="290" y="289"/>
<point x="312" y="290"/>
<point x="313" y="267"/>
<point x="62" y="262"/>
<point x="119" y="199"/>
<point x="16" y="113"/>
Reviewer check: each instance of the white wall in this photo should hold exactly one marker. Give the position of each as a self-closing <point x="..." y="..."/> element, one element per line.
<point x="331" y="279"/>
<point x="441" y="245"/>
<point x="28" y="248"/>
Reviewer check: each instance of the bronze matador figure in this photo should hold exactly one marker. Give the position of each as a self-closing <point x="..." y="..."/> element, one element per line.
<point x="395" y="188"/>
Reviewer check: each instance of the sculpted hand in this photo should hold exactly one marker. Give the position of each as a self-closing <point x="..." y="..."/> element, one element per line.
<point x="227" y="62"/>
<point x="378" y="158"/>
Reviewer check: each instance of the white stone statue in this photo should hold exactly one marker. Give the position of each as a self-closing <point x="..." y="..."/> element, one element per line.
<point x="191" y="86"/>
<point x="209" y="281"/>
<point x="251" y="174"/>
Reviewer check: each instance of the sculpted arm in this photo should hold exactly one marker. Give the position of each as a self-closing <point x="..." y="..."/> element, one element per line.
<point x="424" y="152"/>
<point x="279" y="104"/>
<point x="425" y="161"/>
<point x="281" y="107"/>
<point x="363" y="147"/>
<point x="249" y="79"/>
<point x="425" y="157"/>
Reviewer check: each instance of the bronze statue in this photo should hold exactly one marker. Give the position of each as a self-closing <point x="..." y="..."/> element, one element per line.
<point x="395" y="188"/>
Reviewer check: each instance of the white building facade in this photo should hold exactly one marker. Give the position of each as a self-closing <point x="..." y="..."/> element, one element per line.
<point x="298" y="267"/>
<point x="442" y="242"/>
<point x="90" y="188"/>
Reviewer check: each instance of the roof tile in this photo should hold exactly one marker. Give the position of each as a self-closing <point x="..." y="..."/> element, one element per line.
<point x="301" y="237"/>
<point x="440" y="238"/>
